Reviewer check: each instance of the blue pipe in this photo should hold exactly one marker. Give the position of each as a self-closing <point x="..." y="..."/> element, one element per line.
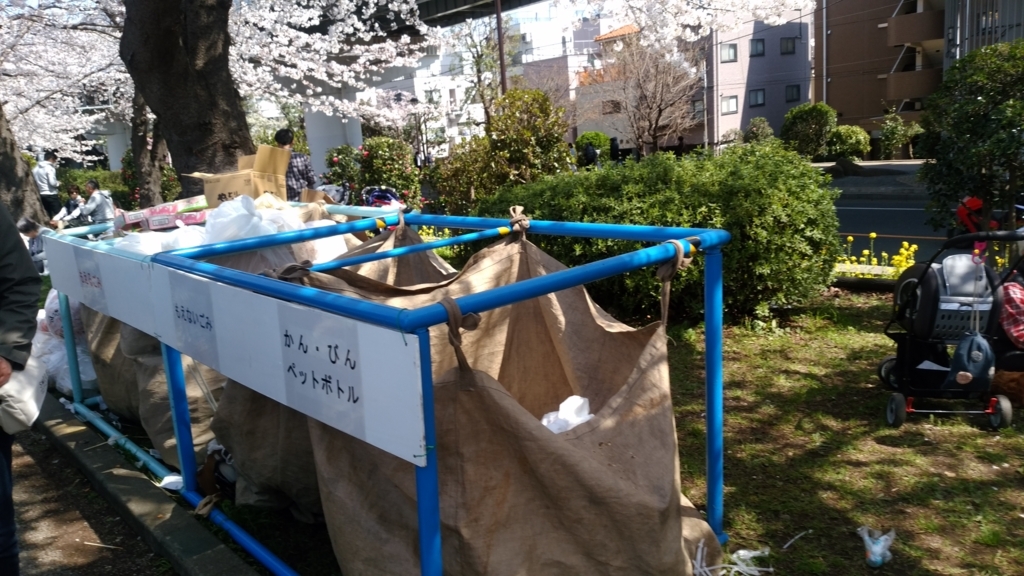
<point x="428" y="506"/>
<point x="579" y="229"/>
<point x="413" y="320"/>
<point x="714" y="403"/>
<point x="379" y="314"/>
<point x="180" y="416"/>
<point x="80" y="408"/>
<point x="243" y="538"/>
<point x="345" y="262"/>
<point x="87" y="230"/>
<point x="70" y="348"/>
<point x="283" y="238"/>
<point x="93" y="401"/>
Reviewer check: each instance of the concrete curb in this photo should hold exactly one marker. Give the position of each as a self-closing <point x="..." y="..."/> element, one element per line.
<point x="864" y="284"/>
<point x="169" y="529"/>
<point x="882" y="194"/>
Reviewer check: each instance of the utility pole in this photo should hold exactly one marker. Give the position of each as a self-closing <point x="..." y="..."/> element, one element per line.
<point x="704" y="75"/>
<point x="501" y="47"/>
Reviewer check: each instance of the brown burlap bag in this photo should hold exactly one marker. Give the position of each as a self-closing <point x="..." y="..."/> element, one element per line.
<point x="269" y="442"/>
<point x="115" y="372"/>
<point x="602" y="498"/>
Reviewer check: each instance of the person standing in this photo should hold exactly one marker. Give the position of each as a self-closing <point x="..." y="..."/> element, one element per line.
<point x="100" y="205"/>
<point x="300" y="168"/>
<point x="19" y="302"/>
<point x="615" y="149"/>
<point x="45" y="175"/>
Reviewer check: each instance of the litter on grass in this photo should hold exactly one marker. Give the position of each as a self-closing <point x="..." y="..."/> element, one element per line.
<point x="876" y="545"/>
<point x="744" y="563"/>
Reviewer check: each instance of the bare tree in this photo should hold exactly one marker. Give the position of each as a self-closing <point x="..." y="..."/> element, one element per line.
<point x="476" y="48"/>
<point x="652" y="90"/>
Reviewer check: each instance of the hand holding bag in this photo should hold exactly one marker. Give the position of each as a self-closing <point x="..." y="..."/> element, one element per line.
<point x="21" y="398"/>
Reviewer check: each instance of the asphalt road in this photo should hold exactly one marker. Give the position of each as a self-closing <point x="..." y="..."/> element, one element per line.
<point x="894" y="221"/>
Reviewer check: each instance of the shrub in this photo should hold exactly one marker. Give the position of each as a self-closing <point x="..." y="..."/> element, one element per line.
<point x="342" y="166"/>
<point x="807" y="127"/>
<point x="527" y="136"/>
<point x="388" y="162"/>
<point x="896" y="133"/>
<point x="848" y="142"/>
<point x="464" y="175"/>
<point x="758" y="130"/>
<point x="777" y="207"/>
<point x="732" y="136"/>
<point x="170" y="186"/>
<point x="112" y="181"/>
<point x="600" y="141"/>
<point x="30" y="159"/>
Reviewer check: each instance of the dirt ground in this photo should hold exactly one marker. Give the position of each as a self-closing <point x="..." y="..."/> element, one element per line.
<point x="65" y="528"/>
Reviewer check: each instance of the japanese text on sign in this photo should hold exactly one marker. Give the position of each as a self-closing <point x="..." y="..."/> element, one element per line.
<point x="335" y="379"/>
<point x="90" y="280"/>
<point x="188" y="316"/>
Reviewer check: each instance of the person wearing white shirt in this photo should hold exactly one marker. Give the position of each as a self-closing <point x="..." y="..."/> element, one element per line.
<point x="45" y="175"/>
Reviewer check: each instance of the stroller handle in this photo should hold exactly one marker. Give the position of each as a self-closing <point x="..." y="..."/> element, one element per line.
<point x="967" y="240"/>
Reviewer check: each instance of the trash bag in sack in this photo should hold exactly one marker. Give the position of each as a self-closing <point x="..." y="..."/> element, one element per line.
<point x="268" y="441"/>
<point x="53" y="320"/>
<point x="517" y="498"/>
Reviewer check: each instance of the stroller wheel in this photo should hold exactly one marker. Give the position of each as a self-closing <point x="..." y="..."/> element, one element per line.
<point x="896" y="410"/>
<point x="885" y="372"/>
<point x="1003" y="416"/>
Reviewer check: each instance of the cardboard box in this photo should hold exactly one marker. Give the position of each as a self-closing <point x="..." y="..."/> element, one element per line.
<point x="309" y="196"/>
<point x="170" y="221"/>
<point x="193" y="204"/>
<point x="261" y="173"/>
<point x="192" y="218"/>
<point x="128" y="220"/>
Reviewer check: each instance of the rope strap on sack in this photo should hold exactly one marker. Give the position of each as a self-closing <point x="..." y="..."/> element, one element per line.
<point x="667" y="271"/>
<point x="296" y="271"/>
<point x="207" y="504"/>
<point x="456" y="322"/>
<point x="519" y="222"/>
<point x="400" y="229"/>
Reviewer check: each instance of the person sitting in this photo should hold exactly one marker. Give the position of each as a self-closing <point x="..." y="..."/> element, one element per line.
<point x="30" y="230"/>
<point x="100" y="206"/>
<point x="70" y="214"/>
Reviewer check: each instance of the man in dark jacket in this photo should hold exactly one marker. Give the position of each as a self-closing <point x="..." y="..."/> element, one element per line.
<point x="19" y="302"/>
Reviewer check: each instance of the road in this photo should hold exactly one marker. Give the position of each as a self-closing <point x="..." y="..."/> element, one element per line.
<point x="894" y="221"/>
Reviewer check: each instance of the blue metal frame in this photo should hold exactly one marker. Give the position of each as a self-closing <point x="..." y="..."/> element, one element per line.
<point x="418" y="321"/>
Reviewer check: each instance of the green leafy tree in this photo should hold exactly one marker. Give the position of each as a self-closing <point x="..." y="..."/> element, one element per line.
<point x="973" y="131"/>
<point x="732" y="136"/>
<point x="170" y="186"/>
<point x="599" y="140"/>
<point x="467" y="172"/>
<point x="758" y="130"/>
<point x="342" y="166"/>
<point x="527" y="135"/>
<point x="806" y="129"/>
<point x="388" y="162"/>
<point x="848" y="142"/>
<point x="896" y="133"/>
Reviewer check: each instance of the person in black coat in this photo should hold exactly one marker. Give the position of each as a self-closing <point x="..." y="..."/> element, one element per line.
<point x="615" y="149"/>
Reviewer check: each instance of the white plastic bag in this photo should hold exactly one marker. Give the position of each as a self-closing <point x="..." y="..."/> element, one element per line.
<point x="53" y="321"/>
<point x="22" y="396"/>
<point x="572" y="412"/>
<point x="327" y="249"/>
<point x="234" y="220"/>
<point x="143" y="242"/>
<point x="90" y="386"/>
<point x="184" y="237"/>
<point x="876" y="545"/>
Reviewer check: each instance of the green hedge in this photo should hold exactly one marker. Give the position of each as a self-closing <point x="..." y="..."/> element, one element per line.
<point x="778" y="208"/>
<point x="601" y="142"/>
<point x="107" y="180"/>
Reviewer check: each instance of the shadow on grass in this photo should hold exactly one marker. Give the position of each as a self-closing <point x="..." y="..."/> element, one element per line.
<point x="807" y="448"/>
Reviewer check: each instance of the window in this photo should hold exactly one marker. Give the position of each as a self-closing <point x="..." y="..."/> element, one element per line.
<point x="792" y="93"/>
<point x="788" y="45"/>
<point x="728" y="52"/>
<point x="730" y="105"/>
<point x="611" y="107"/>
<point x="757" y="47"/>
<point x="756" y="97"/>
<point x="452" y="97"/>
<point x="432" y="96"/>
<point x="431" y="50"/>
<point x="698" y="108"/>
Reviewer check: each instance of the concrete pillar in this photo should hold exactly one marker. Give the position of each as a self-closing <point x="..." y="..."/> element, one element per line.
<point x="119" y="140"/>
<point x="324" y="132"/>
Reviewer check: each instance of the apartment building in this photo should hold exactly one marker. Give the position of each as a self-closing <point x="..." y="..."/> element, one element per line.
<point x="971" y="24"/>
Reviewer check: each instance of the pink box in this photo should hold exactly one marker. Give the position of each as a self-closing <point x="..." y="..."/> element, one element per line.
<point x="160" y="222"/>
<point x="192" y="218"/>
<point x="128" y="220"/>
<point x="161" y="210"/>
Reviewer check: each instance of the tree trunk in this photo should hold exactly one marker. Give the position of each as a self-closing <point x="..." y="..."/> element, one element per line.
<point x="148" y="158"/>
<point x="177" y="53"/>
<point x="18" y="190"/>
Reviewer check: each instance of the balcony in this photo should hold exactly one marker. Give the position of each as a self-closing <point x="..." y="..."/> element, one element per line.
<point x="917" y="27"/>
<point x="911" y="85"/>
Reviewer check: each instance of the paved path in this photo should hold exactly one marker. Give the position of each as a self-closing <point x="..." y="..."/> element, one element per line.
<point x="65" y="528"/>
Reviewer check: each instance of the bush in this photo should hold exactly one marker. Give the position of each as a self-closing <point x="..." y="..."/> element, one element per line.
<point x="464" y="175"/>
<point x="388" y="162"/>
<point x="599" y="140"/>
<point x="807" y="127"/>
<point x="30" y="159"/>
<point x="777" y="207"/>
<point x="527" y="136"/>
<point x="342" y="166"/>
<point x="112" y="181"/>
<point x="758" y="130"/>
<point x="732" y="136"/>
<point x="896" y="133"/>
<point x="170" y="186"/>
<point x="848" y="142"/>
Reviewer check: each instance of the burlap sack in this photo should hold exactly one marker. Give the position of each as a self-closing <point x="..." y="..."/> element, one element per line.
<point x="115" y="372"/>
<point x="603" y="498"/>
<point x="269" y="442"/>
<point x="408" y="270"/>
<point x="1009" y="384"/>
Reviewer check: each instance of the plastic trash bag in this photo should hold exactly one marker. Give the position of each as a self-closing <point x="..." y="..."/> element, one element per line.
<point x="876" y="545"/>
<point x="234" y="220"/>
<point x="53" y="320"/>
<point x="327" y="249"/>
<point x="572" y="412"/>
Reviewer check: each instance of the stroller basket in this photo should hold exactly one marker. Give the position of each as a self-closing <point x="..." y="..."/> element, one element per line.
<point x="945" y="298"/>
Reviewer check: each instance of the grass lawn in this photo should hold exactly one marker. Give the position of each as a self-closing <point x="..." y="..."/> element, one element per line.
<point x="807" y="448"/>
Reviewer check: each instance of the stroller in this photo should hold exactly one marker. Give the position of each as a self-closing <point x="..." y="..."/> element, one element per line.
<point x="937" y="305"/>
<point x="381" y="197"/>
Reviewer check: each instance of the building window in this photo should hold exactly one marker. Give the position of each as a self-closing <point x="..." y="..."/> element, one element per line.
<point x="788" y="45"/>
<point x="432" y="96"/>
<point x="730" y="105"/>
<point x="452" y="97"/>
<point x="793" y="93"/>
<point x="757" y="47"/>
<point x="756" y="97"/>
<point x="698" y="108"/>
<point x="611" y="107"/>
<point x="728" y="52"/>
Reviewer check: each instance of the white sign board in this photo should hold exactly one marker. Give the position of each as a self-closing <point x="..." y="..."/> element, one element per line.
<point x="114" y="285"/>
<point x="358" y="378"/>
